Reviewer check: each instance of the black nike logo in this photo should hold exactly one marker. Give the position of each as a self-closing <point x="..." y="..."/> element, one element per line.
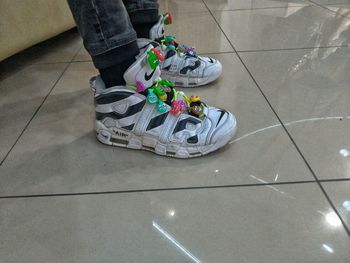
<point x="148" y="77"/>
<point x="211" y="60"/>
<point x="223" y="112"/>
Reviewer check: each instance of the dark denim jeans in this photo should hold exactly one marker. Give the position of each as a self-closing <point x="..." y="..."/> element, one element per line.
<point x="106" y="27"/>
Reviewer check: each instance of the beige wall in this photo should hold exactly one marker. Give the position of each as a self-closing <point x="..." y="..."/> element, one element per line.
<point x="24" y="23"/>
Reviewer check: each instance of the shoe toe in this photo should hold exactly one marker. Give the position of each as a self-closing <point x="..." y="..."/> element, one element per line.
<point x="225" y="126"/>
<point x="213" y="68"/>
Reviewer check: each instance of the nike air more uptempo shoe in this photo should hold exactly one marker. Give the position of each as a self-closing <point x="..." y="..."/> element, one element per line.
<point x="149" y="114"/>
<point x="181" y="65"/>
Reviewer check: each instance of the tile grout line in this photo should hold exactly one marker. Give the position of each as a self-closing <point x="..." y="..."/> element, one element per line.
<point x="258" y="8"/>
<point x="214" y="53"/>
<point x="298" y="150"/>
<point x="335" y="180"/>
<point x="173" y="189"/>
<point x="37" y="109"/>
<point x="311" y="4"/>
<point x="326" y="8"/>
<point x="155" y="190"/>
<point x="34" y="114"/>
<point x="290" y="49"/>
<point x="76" y="54"/>
<point x="285" y="129"/>
<point x="245" y="51"/>
<point x="42" y="63"/>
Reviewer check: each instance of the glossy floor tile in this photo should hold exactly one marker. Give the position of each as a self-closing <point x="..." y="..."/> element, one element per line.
<point x="82" y="56"/>
<point x="182" y="6"/>
<point x="199" y="30"/>
<point x="215" y="5"/>
<point x="279" y="192"/>
<point x="278" y="28"/>
<point x="327" y="2"/>
<point x="304" y="84"/>
<point x="339" y="192"/>
<point x="63" y="130"/>
<point x="325" y="144"/>
<point x="339" y="8"/>
<point x="309" y="90"/>
<point x="22" y="89"/>
<point x="291" y="222"/>
<point x="342" y="9"/>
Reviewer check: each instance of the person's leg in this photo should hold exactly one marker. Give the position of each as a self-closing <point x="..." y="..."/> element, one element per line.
<point x="182" y="65"/>
<point x="143" y="15"/>
<point x="108" y="36"/>
<point x="147" y="113"/>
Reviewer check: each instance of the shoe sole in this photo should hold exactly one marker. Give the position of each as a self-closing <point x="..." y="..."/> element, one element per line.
<point x="127" y="139"/>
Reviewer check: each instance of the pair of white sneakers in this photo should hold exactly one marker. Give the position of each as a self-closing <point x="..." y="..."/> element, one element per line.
<point x="150" y="114"/>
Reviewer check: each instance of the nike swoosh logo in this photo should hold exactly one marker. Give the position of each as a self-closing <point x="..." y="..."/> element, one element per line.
<point x="211" y="60"/>
<point x="148" y="77"/>
<point x="223" y="112"/>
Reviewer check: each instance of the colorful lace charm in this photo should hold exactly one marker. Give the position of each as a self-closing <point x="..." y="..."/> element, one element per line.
<point x="167" y="19"/>
<point x="140" y="87"/>
<point x="165" y="83"/>
<point x="166" y="98"/>
<point x="162" y="107"/>
<point x="169" y="42"/>
<point x="151" y="97"/>
<point x="191" y="51"/>
<point x="186" y="50"/>
<point x="154" y="58"/>
<point x="197" y="110"/>
<point x="195" y="106"/>
<point x="177" y="107"/>
<point x="169" y="39"/>
<point x="193" y="98"/>
<point x="159" y="54"/>
<point x="160" y="93"/>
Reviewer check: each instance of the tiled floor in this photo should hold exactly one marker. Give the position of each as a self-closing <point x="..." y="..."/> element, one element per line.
<point x="280" y="192"/>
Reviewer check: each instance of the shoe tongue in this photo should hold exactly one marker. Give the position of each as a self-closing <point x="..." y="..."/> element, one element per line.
<point x="157" y="31"/>
<point x="145" y="43"/>
<point x="145" y="69"/>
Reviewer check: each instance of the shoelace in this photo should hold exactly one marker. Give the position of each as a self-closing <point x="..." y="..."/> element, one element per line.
<point x="165" y="96"/>
<point x="170" y="43"/>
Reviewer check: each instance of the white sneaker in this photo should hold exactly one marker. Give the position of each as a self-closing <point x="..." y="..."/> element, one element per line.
<point x="182" y="66"/>
<point x="156" y="117"/>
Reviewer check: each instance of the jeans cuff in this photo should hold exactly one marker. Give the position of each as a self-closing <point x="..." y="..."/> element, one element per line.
<point x="144" y="16"/>
<point x="116" y="56"/>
